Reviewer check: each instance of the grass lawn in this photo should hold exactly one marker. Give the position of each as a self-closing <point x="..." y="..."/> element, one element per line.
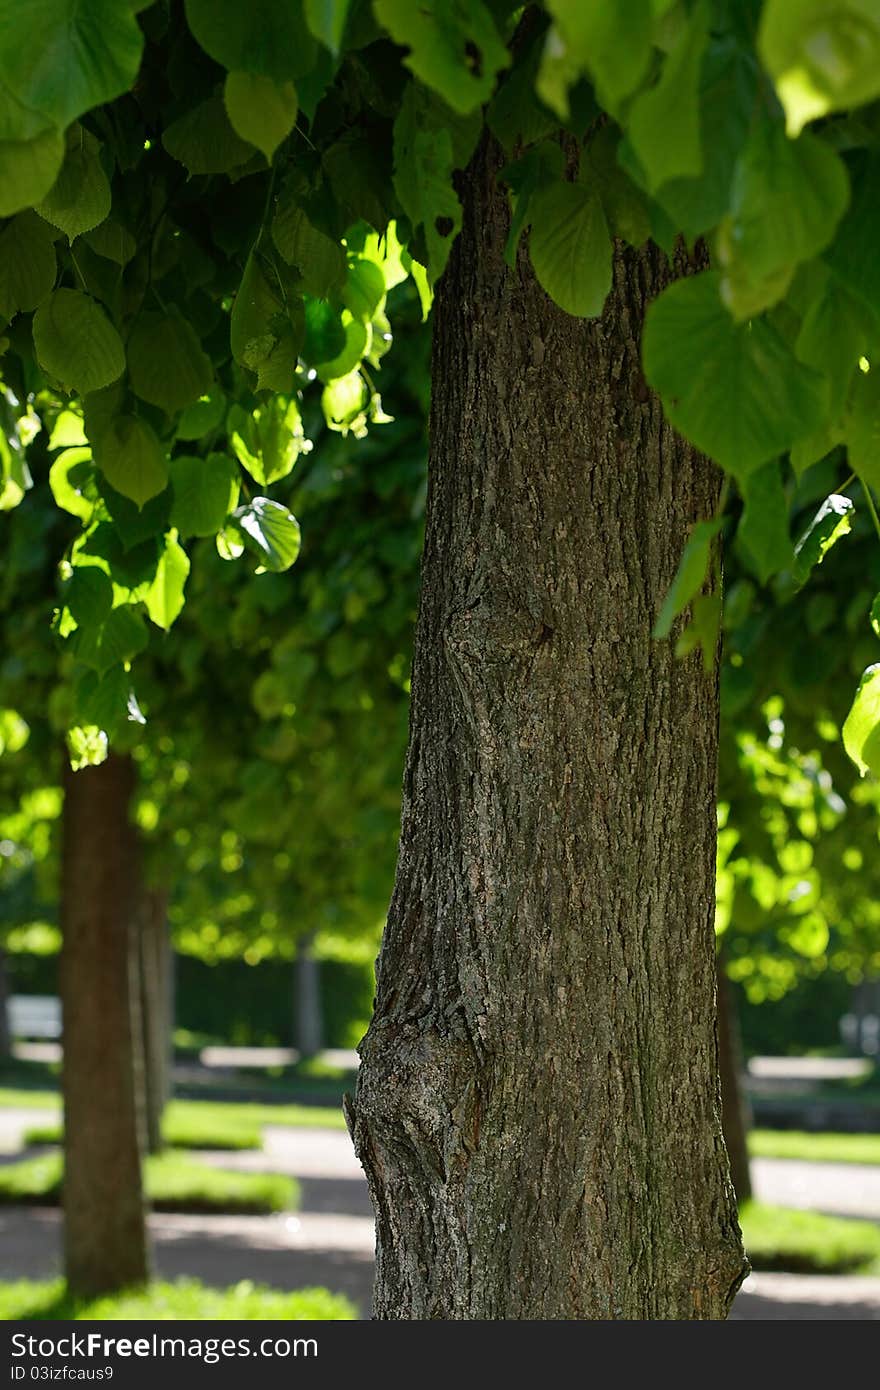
<point x="173" y="1183"/>
<point x="186" y="1298"/>
<point x="815" y="1148"/>
<point x="803" y="1242"/>
<point x="197" y="1124"/>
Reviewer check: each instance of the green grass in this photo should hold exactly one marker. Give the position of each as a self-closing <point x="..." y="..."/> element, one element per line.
<point x="173" y="1183"/>
<point x="803" y="1242"/>
<point x="815" y="1148"/>
<point x="187" y="1299"/>
<point x="191" y="1129"/>
<point x="232" y="1118"/>
<point x="18" y="1098"/>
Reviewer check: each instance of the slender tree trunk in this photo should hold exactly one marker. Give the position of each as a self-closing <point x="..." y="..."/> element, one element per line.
<point x="5" y="1033"/>
<point x="308" y="1031"/>
<point x="155" y="1001"/>
<point x="537" y="1109"/>
<point x="104" y="1229"/>
<point x="735" y="1110"/>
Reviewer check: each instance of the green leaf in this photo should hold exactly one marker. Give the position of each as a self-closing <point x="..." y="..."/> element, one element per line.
<point x="89" y="595"/>
<point x="624" y="205"/>
<point x="87" y="746"/>
<point x="268" y="441"/>
<point x="319" y="259"/>
<point x="570" y="247"/>
<point x="861" y="730"/>
<point x="112" y="240"/>
<point x="862" y="427"/>
<point x="205" y="492"/>
<point x="612" y="43"/>
<point x="261" y="110"/>
<point x="345" y="402"/>
<point x="540" y="167"/>
<point x="132" y="459"/>
<point x="425" y="157"/>
<point x="252" y="322"/>
<point x="853" y="253"/>
<point x="832" y="521"/>
<point x="118" y="638"/>
<point x="69" y="479"/>
<point x="355" y="346"/>
<point x="27" y="264"/>
<point x="325" y="335"/>
<point x="80" y="197"/>
<point x="70" y="57"/>
<point x="834" y="334"/>
<point x="271" y="531"/>
<point x="875" y="615"/>
<point x="364" y="290"/>
<point x="664" y="122"/>
<point x="202" y="417"/>
<point x="712" y="376"/>
<point x="516" y="115"/>
<point x="166" y="364"/>
<point x="134" y="524"/>
<point x="76" y="343"/>
<point x="104" y="702"/>
<point x="326" y="20"/>
<point x="703" y="629"/>
<point x="762" y="533"/>
<point x="823" y="55"/>
<point x="204" y="141"/>
<point x="787" y="199"/>
<point x="262" y="36"/>
<point x="454" y="47"/>
<point x="164" y="598"/>
<point x="690" y="575"/>
<point x="28" y="169"/>
<point x="727" y="99"/>
<point x="68" y="430"/>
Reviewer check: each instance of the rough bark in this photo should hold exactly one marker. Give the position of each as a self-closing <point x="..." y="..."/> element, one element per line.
<point x="5" y="1033"/>
<point x="308" y="1032"/>
<point x="154" y="960"/>
<point x="537" y="1109"/>
<point x="736" y="1116"/>
<point x="104" y="1229"/>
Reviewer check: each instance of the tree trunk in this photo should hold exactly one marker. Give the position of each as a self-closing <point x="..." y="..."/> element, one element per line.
<point x="308" y="1032"/>
<point x="155" y="1002"/>
<point x="736" y="1116"/>
<point x="5" y="1022"/>
<point x="104" y="1230"/>
<point x="537" y="1110"/>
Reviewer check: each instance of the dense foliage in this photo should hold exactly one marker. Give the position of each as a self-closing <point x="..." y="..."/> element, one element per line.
<point x="207" y="204"/>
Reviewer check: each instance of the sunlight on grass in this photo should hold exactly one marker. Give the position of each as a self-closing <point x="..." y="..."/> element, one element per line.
<point x="804" y="1242"/>
<point x="187" y="1299"/>
<point x="815" y="1148"/>
<point x="173" y="1183"/>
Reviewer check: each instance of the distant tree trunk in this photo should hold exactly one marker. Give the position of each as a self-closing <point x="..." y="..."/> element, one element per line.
<point x="155" y="1009"/>
<point x="736" y="1116"/>
<point x="5" y="1029"/>
<point x="105" y="1244"/>
<point x="537" y="1109"/>
<point x="308" y="1028"/>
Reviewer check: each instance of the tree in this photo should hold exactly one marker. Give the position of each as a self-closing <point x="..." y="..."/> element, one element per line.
<point x="104" y="1231"/>
<point x="305" y="133"/>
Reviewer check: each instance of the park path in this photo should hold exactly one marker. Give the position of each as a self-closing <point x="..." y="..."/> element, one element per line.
<point x="330" y="1240"/>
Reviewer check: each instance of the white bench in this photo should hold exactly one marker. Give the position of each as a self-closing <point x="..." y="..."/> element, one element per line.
<point x="34" y="1016"/>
